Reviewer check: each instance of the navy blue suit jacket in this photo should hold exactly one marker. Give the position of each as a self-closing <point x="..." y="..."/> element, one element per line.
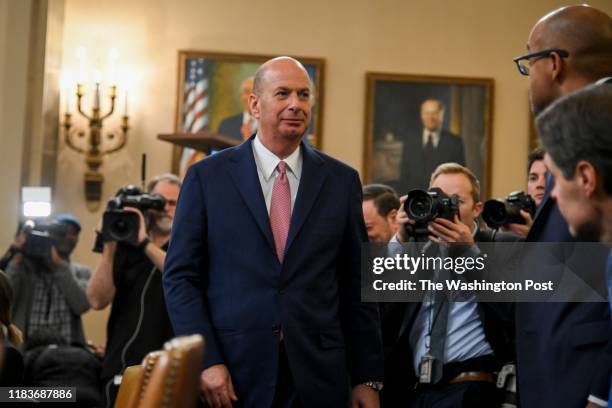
<point x="223" y="280"/>
<point x="561" y="347"/>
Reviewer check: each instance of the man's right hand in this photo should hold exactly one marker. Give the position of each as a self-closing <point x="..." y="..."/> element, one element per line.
<point x="142" y="229"/>
<point x="20" y="239"/>
<point x="402" y="219"/>
<point x="216" y="384"/>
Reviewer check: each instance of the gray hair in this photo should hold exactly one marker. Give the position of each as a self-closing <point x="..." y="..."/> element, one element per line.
<point x="169" y="177"/>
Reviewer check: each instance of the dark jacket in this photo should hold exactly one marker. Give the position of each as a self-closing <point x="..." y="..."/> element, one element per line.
<point x="400" y="378"/>
<point x="222" y="279"/>
<point x="561" y="347"/>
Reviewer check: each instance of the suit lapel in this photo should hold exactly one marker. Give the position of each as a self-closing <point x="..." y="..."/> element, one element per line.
<point x="244" y="174"/>
<point x="311" y="180"/>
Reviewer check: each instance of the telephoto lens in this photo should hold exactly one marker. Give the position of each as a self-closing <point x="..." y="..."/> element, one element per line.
<point x="504" y="211"/>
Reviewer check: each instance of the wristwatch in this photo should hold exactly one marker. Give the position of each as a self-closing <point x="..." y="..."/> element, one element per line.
<point x="144" y="244"/>
<point x="376" y="385"/>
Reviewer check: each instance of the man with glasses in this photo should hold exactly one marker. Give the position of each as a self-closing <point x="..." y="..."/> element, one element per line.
<point x="129" y="276"/>
<point x="561" y="347"/>
<point x="568" y="49"/>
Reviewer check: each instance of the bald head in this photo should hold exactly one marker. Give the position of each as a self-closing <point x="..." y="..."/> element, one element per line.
<point x="585" y="32"/>
<point x="282" y="104"/>
<point x="278" y="63"/>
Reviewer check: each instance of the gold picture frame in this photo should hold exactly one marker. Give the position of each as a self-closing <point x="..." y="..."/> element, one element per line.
<point x="393" y="141"/>
<point x="215" y="79"/>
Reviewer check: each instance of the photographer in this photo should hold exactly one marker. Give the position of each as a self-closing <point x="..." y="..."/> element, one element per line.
<point x="129" y="275"/>
<point x="49" y="288"/>
<point x="536" y="183"/>
<point x="450" y="350"/>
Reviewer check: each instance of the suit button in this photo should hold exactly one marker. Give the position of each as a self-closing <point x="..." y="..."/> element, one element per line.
<point x="281" y="291"/>
<point x="276" y="329"/>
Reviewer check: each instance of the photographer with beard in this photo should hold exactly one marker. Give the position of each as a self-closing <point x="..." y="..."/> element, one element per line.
<point x="130" y="277"/>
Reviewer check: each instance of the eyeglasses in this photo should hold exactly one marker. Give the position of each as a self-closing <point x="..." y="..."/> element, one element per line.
<point x="524" y="61"/>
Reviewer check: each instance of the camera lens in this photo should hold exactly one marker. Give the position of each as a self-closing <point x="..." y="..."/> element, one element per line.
<point x="420" y="207"/>
<point x="495" y="214"/>
<point x="120" y="228"/>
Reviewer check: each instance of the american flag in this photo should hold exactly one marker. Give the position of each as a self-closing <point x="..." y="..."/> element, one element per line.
<point x="195" y="104"/>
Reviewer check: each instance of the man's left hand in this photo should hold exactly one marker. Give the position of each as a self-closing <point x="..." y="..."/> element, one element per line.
<point x="363" y="396"/>
<point x="54" y="258"/>
<point x="520" y="229"/>
<point x="445" y="231"/>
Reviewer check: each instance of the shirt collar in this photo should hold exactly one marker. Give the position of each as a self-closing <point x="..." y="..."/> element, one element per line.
<point x="269" y="161"/>
<point x="603" y="80"/>
<point x="435" y="135"/>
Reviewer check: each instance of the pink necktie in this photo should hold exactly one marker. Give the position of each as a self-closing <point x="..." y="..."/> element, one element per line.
<point x="280" y="210"/>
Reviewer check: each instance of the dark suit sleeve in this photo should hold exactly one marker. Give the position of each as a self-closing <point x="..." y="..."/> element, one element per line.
<point x="186" y="269"/>
<point x="602" y="377"/>
<point x="600" y="387"/>
<point x="361" y="320"/>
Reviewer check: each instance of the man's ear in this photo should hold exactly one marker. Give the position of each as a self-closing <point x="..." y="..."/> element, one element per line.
<point x="557" y="70"/>
<point x="254" y="105"/>
<point x="391" y="216"/>
<point x="477" y="209"/>
<point x="587" y="178"/>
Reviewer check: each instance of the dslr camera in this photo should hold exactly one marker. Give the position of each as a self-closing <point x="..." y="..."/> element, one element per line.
<point x="122" y="226"/>
<point x="504" y="211"/>
<point x="40" y="236"/>
<point x="425" y="206"/>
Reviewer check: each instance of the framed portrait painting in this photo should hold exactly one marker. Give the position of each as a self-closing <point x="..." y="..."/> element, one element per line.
<point x="212" y="96"/>
<point x="414" y="123"/>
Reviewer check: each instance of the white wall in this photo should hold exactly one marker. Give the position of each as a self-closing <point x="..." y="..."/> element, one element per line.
<point x="15" y="25"/>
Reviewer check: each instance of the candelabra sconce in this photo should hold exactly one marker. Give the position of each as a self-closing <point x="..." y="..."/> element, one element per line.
<point x="93" y="152"/>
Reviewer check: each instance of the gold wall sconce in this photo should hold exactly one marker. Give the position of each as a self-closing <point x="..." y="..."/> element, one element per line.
<point x="92" y="142"/>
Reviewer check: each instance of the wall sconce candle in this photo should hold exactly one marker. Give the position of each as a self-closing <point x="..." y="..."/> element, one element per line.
<point x="94" y="136"/>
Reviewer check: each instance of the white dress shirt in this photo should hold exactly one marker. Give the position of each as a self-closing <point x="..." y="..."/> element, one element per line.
<point x="267" y="170"/>
<point x="435" y="136"/>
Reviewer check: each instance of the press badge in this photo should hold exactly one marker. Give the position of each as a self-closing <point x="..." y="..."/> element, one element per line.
<point x="425" y="368"/>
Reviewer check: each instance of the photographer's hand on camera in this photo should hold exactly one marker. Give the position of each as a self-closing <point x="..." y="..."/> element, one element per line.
<point x="520" y="229"/>
<point x="16" y="246"/>
<point x="402" y="219"/>
<point x="142" y="230"/>
<point x="151" y="244"/>
<point x="101" y="289"/>
<point x="445" y="231"/>
<point x="54" y="260"/>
